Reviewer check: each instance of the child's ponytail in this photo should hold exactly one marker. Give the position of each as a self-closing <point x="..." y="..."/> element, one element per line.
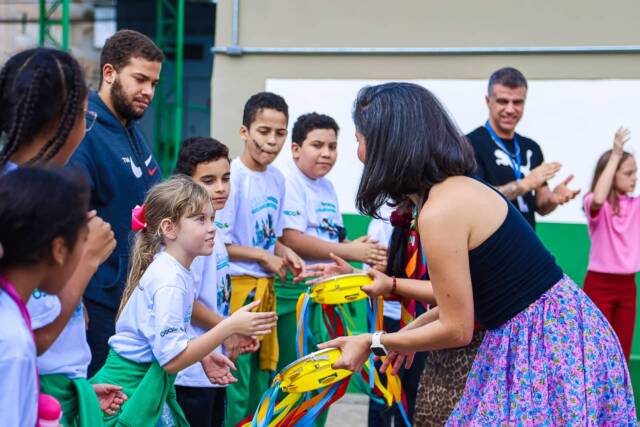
<point x="145" y="247"/>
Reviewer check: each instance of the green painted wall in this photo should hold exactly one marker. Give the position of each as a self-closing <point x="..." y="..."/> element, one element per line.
<point x="570" y="244"/>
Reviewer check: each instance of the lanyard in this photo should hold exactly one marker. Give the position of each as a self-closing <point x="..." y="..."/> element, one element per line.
<point x="516" y="161"/>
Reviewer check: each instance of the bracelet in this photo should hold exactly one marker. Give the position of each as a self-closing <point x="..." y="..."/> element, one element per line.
<point x="395" y="283"/>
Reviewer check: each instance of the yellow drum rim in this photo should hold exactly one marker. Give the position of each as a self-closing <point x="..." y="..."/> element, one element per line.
<point x="312" y="372"/>
<point x="340" y="289"/>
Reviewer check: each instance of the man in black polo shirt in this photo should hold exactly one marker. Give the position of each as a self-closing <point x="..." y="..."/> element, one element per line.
<point x="509" y="161"/>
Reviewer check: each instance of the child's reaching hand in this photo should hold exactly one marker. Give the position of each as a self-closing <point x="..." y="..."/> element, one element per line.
<point x="292" y="260"/>
<point x="249" y="345"/>
<point x="110" y="396"/>
<point x="325" y="270"/>
<point x="218" y="369"/>
<point x="248" y="323"/>
<point x="274" y="264"/>
<point x="240" y="344"/>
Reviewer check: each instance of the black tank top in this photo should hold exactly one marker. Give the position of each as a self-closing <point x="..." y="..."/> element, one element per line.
<point x="510" y="270"/>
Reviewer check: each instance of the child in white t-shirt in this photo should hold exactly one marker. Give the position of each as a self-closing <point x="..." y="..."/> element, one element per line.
<point x="250" y="225"/>
<point x="206" y="161"/>
<point x="312" y="221"/>
<point x="63" y="367"/>
<point x="151" y="343"/>
<point x="43" y="226"/>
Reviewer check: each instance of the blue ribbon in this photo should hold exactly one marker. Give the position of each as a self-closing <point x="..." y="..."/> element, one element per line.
<point x="373" y="313"/>
<point x="303" y="326"/>
<point x="272" y="394"/>
<point x="308" y="419"/>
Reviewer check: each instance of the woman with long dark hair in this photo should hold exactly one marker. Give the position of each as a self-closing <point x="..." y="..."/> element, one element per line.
<point x="548" y="354"/>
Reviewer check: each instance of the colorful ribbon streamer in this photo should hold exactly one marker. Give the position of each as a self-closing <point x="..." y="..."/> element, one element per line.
<point x="339" y="323"/>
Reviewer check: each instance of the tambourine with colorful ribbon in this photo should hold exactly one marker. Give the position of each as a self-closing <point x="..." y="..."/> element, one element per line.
<point x="313" y="372"/>
<point x="333" y="294"/>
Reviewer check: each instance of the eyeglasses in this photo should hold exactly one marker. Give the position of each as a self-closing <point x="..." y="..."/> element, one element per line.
<point x="91" y="116"/>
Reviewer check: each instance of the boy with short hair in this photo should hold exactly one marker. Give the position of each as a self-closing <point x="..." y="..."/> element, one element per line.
<point x="312" y="220"/>
<point x="250" y="225"/>
<point x="206" y="161"/>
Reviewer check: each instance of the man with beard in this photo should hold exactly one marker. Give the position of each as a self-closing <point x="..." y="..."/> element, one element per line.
<point x="119" y="166"/>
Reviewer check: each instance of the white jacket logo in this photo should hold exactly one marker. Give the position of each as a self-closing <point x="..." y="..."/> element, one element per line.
<point x="137" y="172"/>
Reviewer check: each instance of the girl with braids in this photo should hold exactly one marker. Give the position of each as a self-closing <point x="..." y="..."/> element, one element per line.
<point x="43" y="101"/>
<point x="151" y="344"/>
<point x="548" y="355"/>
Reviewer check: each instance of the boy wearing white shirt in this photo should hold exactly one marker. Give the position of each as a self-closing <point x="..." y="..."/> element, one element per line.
<point x="312" y="220"/>
<point x="206" y="161"/>
<point x="250" y="225"/>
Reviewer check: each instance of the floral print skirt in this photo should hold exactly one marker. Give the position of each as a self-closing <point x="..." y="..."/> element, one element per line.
<point x="558" y="362"/>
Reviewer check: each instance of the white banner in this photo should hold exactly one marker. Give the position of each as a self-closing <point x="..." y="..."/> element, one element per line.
<point x="573" y="121"/>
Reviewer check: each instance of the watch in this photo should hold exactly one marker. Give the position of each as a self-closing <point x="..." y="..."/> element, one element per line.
<point x="376" y="346"/>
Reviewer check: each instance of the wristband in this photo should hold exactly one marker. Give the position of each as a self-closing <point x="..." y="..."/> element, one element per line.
<point x="377" y="347"/>
<point x="394" y="285"/>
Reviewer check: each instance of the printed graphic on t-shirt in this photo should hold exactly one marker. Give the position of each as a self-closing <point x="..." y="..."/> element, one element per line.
<point x="171" y="330"/>
<point x="494" y="165"/>
<point x="502" y="159"/>
<point x="328" y="228"/>
<point x="264" y="228"/>
<point x="224" y="294"/>
<point x="179" y="329"/>
<point x="265" y="233"/>
<point x="187" y="316"/>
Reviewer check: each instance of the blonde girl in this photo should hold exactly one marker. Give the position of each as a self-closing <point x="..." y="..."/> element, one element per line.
<point x="151" y="344"/>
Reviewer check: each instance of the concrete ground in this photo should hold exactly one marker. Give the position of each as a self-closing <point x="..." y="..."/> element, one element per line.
<point x="350" y="411"/>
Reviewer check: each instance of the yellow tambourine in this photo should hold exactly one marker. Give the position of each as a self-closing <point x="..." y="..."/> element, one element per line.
<point x="312" y="372"/>
<point x="340" y="289"/>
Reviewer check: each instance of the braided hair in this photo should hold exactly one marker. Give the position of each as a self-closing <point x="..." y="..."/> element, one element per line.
<point x="38" y="86"/>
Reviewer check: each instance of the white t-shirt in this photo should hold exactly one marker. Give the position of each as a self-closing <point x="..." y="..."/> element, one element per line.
<point x="212" y="287"/>
<point x="381" y="230"/>
<point x="18" y="381"/>
<point x="69" y="354"/>
<point x="153" y="324"/>
<point x="252" y="215"/>
<point x="311" y="206"/>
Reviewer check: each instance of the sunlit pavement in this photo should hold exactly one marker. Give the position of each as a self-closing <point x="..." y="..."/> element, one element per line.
<point x="350" y="411"/>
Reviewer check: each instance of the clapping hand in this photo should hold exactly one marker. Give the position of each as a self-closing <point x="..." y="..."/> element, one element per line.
<point x="562" y="193"/>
